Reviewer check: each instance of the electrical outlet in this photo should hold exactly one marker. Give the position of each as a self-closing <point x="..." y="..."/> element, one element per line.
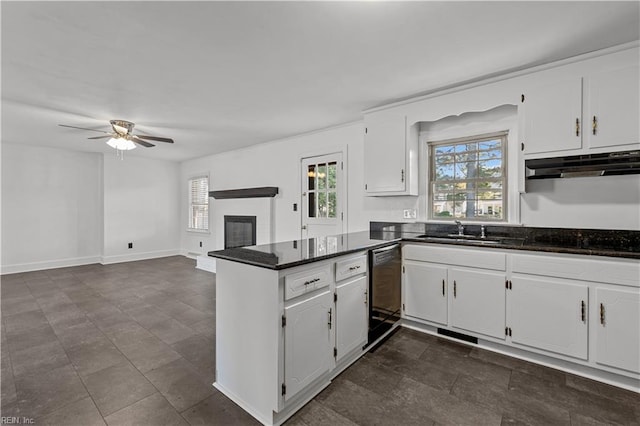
<point x="409" y="213"/>
<point x="130" y="245"/>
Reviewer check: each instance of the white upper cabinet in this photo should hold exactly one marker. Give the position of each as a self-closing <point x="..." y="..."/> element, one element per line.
<point x="553" y="117"/>
<point x="390" y="155"/>
<point x="612" y="108"/>
<point x="594" y="113"/>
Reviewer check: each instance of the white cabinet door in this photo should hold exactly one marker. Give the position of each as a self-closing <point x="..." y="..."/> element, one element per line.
<point x="549" y="314"/>
<point x="550" y="115"/>
<point x="425" y="292"/>
<point x="385" y="154"/>
<point x="618" y="328"/>
<point x="478" y="303"/>
<point x="351" y="316"/>
<point x="612" y="108"/>
<point x="308" y="341"/>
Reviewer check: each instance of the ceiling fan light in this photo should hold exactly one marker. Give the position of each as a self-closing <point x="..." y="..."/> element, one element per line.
<point x="121" y="144"/>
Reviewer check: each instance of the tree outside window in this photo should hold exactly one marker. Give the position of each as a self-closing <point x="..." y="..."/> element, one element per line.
<point x="468" y="178"/>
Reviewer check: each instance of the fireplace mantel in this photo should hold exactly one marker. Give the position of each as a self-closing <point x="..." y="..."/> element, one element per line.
<point x="261" y="192"/>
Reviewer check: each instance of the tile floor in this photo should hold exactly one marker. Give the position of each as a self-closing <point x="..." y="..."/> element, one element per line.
<point x="133" y="344"/>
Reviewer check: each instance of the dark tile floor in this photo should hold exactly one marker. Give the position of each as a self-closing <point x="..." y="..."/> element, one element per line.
<point x="133" y="344"/>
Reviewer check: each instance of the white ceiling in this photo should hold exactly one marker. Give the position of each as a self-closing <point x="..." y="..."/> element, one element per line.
<point x="217" y="76"/>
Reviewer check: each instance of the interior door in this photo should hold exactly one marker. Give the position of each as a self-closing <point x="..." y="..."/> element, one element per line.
<point x="322" y="200"/>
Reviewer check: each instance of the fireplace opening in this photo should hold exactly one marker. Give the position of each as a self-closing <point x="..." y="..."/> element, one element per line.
<point x="239" y="231"/>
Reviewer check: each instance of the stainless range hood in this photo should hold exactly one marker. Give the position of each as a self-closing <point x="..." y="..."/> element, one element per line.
<point x="607" y="164"/>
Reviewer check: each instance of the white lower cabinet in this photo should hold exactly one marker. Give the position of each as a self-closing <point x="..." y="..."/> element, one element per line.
<point x="308" y="341"/>
<point x="324" y="326"/>
<point x="478" y="302"/>
<point x="351" y="316"/>
<point x="618" y="328"/>
<point x="549" y="314"/>
<point x="425" y="292"/>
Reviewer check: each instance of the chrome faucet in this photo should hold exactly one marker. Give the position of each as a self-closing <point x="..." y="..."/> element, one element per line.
<point x="460" y="228"/>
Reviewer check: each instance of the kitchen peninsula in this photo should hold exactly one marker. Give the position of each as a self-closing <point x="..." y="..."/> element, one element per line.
<point x="292" y="315"/>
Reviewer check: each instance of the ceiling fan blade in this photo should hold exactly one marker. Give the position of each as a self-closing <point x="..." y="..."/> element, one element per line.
<point x="139" y="141"/>
<point x="101" y="137"/>
<point x="84" y="128"/>
<point x="155" y="138"/>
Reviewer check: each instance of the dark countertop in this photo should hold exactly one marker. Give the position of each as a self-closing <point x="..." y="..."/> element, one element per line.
<point x="620" y="244"/>
<point x="298" y="252"/>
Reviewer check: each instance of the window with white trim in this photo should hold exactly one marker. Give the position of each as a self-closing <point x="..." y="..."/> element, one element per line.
<point x="199" y="203"/>
<point x="468" y="178"/>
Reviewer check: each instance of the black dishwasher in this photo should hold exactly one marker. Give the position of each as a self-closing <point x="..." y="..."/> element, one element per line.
<point x="385" y="266"/>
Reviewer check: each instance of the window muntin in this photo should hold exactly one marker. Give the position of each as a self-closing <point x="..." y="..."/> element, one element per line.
<point x="199" y="203"/>
<point x="468" y="178"/>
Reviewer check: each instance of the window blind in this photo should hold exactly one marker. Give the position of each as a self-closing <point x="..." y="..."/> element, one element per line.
<point x="199" y="203"/>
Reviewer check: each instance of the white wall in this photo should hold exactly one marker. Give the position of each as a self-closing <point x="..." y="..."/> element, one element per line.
<point x="141" y="205"/>
<point x="277" y="164"/>
<point x="51" y="208"/>
<point x="65" y="208"/>
<point x="611" y="202"/>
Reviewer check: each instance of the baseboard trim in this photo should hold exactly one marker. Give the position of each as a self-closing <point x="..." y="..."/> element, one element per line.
<point x="48" y="264"/>
<point x="107" y="260"/>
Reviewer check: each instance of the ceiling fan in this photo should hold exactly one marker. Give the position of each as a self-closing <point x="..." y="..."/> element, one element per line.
<point x="122" y="138"/>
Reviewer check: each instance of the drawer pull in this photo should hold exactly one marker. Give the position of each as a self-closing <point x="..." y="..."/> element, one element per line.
<point x="454" y="289"/>
<point x="602" y="313"/>
<point x="443" y="287"/>
<point x="583" y="311"/>
<point x="329" y="323"/>
<point x="353" y="268"/>
<point x="311" y="281"/>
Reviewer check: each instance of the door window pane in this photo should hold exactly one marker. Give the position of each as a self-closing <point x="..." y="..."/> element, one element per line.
<point x="322" y="176"/>
<point x="322" y="204"/>
<point x="312" y="204"/>
<point x="332" y="204"/>
<point x="311" y="175"/>
<point x="331" y="175"/>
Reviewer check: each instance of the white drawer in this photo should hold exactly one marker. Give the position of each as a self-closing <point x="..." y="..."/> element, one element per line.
<point x="349" y="267"/>
<point x="306" y="281"/>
